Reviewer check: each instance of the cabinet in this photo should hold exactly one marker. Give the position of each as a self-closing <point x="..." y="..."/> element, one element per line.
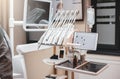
<point x="107" y="24"/>
<point x="112" y="72"/>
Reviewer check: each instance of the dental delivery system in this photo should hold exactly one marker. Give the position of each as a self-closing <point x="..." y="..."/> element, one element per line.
<point x="60" y="28"/>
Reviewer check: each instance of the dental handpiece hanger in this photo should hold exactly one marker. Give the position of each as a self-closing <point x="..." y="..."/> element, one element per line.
<point x="60" y="27"/>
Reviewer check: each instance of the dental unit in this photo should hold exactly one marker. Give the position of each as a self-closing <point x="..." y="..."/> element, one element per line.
<point x="61" y="27"/>
<point x="59" y="31"/>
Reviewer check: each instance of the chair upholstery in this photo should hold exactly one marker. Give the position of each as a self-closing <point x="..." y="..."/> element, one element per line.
<point x="5" y="56"/>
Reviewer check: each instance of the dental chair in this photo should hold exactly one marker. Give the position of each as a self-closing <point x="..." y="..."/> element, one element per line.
<point x="11" y="67"/>
<point x="5" y="56"/>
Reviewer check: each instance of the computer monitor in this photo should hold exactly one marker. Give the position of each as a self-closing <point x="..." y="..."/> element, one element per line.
<point x="85" y="41"/>
<point x="37" y="14"/>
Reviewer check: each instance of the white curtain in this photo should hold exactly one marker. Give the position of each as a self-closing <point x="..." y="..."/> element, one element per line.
<point x="4" y="14"/>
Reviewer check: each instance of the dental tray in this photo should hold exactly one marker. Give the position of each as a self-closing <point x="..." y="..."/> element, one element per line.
<point x="91" y="67"/>
<point x="67" y="65"/>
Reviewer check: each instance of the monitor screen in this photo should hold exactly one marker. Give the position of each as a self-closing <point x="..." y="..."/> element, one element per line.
<point x="37" y="13"/>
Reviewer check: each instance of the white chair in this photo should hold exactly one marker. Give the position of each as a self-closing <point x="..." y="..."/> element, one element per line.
<point x="19" y="69"/>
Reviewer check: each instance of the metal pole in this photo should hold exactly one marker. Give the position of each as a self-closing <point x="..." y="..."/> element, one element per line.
<point x="11" y="26"/>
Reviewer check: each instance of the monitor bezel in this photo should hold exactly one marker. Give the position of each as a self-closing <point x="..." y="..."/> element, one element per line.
<point x="25" y="24"/>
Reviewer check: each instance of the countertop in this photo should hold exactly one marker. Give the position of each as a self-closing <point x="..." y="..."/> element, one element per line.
<point x="32" y="47"/>
<point x="106" y="58"/>
<point x="26" y="48"/>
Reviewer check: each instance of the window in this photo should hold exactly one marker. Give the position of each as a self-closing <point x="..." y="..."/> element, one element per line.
<point x="107" y="26"/>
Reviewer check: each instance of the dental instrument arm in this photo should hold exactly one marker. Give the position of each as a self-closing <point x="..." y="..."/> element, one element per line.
<point x="60" y="27"/>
